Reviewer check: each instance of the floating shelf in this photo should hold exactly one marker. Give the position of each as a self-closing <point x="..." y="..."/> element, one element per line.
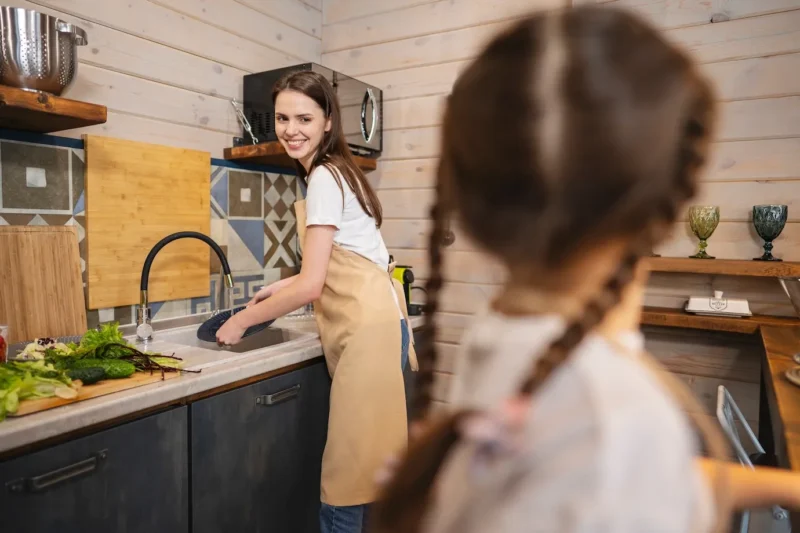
<point x="272" y="153"/>
<point x="676" y="318"/>
<point x="726" y="267"/>
<point x="45" y="113"/>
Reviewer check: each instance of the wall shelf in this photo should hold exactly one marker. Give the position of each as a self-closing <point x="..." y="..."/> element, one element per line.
<point x="273" y="154"/>
<point x="45" y="113"/>
<point x="676" y="318"/>
<point x="726" y="267"/>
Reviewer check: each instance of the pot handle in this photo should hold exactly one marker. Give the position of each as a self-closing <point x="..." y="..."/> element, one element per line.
<point x="78" y="35"/>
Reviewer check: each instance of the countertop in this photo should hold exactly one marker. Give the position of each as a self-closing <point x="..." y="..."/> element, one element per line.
<point x="783" y="397"/>
<point x="16" y="432"/>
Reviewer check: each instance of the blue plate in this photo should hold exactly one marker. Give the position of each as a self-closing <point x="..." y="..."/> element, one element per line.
<point x="208" y="330"/>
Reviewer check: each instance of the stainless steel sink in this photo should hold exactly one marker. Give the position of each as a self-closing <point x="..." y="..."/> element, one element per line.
<point x="262" y="339"/>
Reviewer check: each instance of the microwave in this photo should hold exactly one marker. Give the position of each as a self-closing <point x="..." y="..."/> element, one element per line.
<point x="361" y="105"/>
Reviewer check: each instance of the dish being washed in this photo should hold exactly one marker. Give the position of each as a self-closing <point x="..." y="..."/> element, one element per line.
<point x="208" y="330"/>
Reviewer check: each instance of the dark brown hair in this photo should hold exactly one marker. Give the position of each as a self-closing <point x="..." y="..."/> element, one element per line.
<point x="570" y="130"/>
<point x="333" y="151"/>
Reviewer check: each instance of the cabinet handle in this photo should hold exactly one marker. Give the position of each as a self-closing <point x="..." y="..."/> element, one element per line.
<point x="56" y="477"/>
<point x="278" y="397"/>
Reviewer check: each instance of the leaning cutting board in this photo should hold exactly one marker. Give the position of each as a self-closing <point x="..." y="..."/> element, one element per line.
<point x="41" y="292"/>
<point x="102" y="388"/>
<point x="136" y="194"/>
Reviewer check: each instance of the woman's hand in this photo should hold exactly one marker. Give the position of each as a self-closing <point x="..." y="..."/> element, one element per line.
<point x="231" y="332"/>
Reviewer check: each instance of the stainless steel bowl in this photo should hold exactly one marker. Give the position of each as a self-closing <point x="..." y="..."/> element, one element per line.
<point x="37" y="51"/>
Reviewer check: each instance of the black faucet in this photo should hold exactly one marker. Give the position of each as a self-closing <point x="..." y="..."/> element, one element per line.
<point x="144" y="331"/>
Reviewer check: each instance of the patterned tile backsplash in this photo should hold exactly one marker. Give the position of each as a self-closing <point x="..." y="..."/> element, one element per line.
<point x="251" y="219"/>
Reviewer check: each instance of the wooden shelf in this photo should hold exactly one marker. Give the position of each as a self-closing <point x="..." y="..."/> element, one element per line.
<point x="272" y="153"/>
<point x="726" y="267"/>
<point x="676" y="318"/>
<point x="45" y="113"/>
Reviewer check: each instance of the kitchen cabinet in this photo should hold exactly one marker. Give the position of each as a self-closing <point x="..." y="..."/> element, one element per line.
<point x="133" y="478"/>
<point x="256" y="455"/>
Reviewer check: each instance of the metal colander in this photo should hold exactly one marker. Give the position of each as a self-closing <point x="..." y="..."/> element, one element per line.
<point x="37" y="51"/>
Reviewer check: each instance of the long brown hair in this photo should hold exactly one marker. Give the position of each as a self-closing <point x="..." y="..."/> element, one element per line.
<point x="333" y="151"/>
<point x="570" y="129"/>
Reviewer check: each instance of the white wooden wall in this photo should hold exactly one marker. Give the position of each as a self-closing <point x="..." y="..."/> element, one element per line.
<point x="414" y="49"/>
<point x="167" y="69"/>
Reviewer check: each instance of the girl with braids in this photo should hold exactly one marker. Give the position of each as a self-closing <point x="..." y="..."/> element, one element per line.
<point x="569" y="147"/>
<point x="359" y="309"/>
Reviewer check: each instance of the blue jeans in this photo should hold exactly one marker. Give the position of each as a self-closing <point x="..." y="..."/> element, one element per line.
<point x="353" y="518"/>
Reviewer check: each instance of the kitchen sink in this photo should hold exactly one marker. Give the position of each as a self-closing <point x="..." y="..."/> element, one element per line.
<point x="183" y="343"/>
<point x="263" y="339"/>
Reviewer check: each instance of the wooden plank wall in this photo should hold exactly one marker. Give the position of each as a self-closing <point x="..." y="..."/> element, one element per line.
<point x="167" y="69"/>
<point x="414" y="49"/>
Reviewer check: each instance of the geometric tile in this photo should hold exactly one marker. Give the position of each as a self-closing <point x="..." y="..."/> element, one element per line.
<point x="280" y="193"/>
<point x="244" y="193"/>
<point x="56" y="220"/>
<point x="219" y="191"/>
<point x="245" y="245"/>
<point x="80" y="205"/>
<point x="279" y="238"/>
<point x="77" y="180"/>
<point x="3" y="222"/>
<point x="37" y="220"/>
<point x="15" y="219"/>
<point x="44" y="167"/>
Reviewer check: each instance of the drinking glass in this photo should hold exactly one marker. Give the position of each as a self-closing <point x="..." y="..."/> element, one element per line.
<point x="703" y="219"/>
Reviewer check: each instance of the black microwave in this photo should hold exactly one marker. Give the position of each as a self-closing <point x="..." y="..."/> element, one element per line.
<point x="361" y="104"/>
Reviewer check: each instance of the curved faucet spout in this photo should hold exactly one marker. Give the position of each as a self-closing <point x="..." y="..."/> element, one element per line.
<point x="144" y="331"/>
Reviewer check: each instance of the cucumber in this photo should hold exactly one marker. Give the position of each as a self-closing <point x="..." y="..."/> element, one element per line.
<point x="114" y="368"/>
<point x="87" y="375"/>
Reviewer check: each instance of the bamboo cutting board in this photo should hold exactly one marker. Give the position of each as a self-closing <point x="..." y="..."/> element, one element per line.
<point x="41" y="291"/>
<point x="107" y="386"/>
<point x="136" y="194"/>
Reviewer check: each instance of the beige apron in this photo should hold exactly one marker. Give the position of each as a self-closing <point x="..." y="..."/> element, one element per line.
<point x="359" y="327"/>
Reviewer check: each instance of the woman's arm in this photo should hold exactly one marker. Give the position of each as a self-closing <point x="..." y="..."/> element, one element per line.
<point x="271" y="289"/>
<point x="306" y="287"/>
<point x="753" y="488"/>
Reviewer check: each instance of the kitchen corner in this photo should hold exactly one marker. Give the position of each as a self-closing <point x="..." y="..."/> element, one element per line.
<point x="219" y="371"/>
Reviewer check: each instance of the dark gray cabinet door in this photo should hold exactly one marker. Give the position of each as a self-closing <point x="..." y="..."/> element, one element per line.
<point x="257" y="454"/>
<point x="131" y="478"/>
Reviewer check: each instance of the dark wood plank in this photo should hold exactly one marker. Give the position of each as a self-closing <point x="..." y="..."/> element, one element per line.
<point x="726" y="267"/>
<point x="45" y="113"/>
<point x="676" y="318"/>
<point x="273" y="154"/>
<point x="783" y="397"/>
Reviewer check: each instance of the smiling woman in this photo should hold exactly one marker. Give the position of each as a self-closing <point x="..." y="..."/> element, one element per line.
<point x="359" y="309"/>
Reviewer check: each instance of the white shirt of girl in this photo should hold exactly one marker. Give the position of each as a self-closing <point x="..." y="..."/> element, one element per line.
<point x="605" y="449"/>
<point x="355" y="229"/>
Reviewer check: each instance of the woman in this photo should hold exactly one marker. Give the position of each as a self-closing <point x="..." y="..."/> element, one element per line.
<point x="560" y="423"/>
<point x="360" y="310"/>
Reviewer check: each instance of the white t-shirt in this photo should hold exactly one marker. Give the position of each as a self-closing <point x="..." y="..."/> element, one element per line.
<point x="605" y="450"/>
<point x="355" y="229"/>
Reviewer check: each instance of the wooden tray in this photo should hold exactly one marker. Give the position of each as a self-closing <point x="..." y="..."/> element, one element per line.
<point x="87" y="392"/>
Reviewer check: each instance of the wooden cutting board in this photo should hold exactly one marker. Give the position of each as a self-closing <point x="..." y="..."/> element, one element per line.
<point x="136" y="194"/>
<point x="41" y="292"/>
<point x="87" y="392"/>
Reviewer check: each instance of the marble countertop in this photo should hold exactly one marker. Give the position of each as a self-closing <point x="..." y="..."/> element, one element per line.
<point x="217" y="370"/>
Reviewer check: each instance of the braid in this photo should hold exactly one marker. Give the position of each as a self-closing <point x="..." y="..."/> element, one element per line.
<point x="428" y="353"/>
<point x="594" y="313"/>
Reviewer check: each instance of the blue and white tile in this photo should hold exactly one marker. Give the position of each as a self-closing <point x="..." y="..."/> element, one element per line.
<point x="246" y="245"/>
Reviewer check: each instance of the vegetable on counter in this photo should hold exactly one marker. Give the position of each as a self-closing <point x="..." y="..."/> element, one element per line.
<point x="112" y="368"/>
<point x="47" y="368"/>
<point x="29" y="380"/>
